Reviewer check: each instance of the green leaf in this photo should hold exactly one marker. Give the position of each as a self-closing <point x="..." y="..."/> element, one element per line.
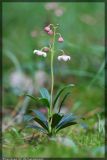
<point x="66" y="125"/>
<point x="59" y="93"/>
<point x="41" y="123"/>
<point x="45" y="94"/>
<point x="64" y="98"/>
<point x="66" y="119"/>
<point x="41" y="119"/>
<point x="43" y="100"/>
<point x="28" y="118"/>
<point x="35" y="99"/>
<point x="38" y="128"/>
<point x="55" y="119"/>
<point x="39" y="114"/>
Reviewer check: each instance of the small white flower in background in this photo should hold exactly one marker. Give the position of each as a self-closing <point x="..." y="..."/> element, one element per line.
<point x="40" y="53"/>
<point x="64" y="58"/>
<point x="20" y="81"/>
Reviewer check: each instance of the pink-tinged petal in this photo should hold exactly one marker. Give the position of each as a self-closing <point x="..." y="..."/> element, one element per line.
<point x="50" y="32"/>
<point x="60" y="39"/>
<point x="47" y="28"/>
<point x="40" y="53"/>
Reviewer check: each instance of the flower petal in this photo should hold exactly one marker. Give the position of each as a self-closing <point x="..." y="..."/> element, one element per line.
<point x="64" y="57"/>
<point x="40" y="53"/>
<point x="35" y="51"/>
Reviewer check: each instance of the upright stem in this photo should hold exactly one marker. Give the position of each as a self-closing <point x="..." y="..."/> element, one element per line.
<point x="52" y="72"/>
<point x="52" y="81"/>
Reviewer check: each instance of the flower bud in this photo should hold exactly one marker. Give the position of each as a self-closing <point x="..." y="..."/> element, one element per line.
<point x="46" y="49"/>
<point x="60" y="39"/>
<point x="50" y="32"/>
<point x="47" y="28"/>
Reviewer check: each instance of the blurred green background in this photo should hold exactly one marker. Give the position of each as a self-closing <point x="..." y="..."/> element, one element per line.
<point x="82" y="27"/>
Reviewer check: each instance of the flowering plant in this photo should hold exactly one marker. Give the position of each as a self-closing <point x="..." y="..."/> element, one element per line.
<point x="55" y="120"/>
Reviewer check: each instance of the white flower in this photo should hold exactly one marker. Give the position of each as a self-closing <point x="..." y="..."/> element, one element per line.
<point x="64" y="58"/>
<point x="40" y="53"/>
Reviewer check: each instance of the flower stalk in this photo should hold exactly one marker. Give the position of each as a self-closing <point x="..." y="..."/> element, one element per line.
<point x="52" y="77"/>
<point x="52" y="71"/>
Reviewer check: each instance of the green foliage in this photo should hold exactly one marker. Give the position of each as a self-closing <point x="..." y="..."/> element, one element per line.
<point x="43" y="100"/>
<point x="58" y="121"/>
<point x="45" y="94"/>
<point x="66" y="121"/>
<point x="63" y="100"/>
<point x="40" y="118"/>
<point x="60" y="92"/>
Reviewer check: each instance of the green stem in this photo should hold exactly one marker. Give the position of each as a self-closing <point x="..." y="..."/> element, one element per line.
<point x="52" y="81"/>
<point x="52" y="72"/>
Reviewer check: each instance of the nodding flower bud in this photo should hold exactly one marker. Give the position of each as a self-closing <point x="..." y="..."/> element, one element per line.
<point x="60" y="39"/>
<point x="47" y="28"/>
<point x="50" y="32"/>
<point x="46" y="49"/>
